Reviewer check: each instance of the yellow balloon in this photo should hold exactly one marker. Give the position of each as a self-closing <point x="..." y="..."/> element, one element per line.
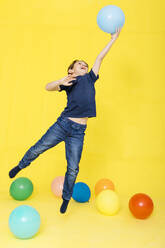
<point x="107" y="202"/>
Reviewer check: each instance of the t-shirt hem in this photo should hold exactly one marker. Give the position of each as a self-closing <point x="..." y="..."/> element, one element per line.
<point x="79" y="116"/>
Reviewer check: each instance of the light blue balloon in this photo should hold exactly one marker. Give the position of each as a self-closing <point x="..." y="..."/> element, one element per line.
<point x="24" y="221"/>
<point x="109" y="18"/>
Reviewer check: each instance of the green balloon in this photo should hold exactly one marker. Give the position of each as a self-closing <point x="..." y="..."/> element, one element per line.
<point x="21" y="188"/>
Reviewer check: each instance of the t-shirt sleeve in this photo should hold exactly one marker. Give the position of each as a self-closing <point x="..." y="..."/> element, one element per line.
<point x="67" y="88"/>
<point x="92" y="76"/>
<point x="64" y="87"/>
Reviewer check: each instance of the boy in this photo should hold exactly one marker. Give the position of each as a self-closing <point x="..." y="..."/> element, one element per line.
<point x="71" y="125"/>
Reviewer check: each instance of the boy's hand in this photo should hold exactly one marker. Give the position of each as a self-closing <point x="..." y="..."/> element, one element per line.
<point x="116" y="35"/>
<point x="67" y="79"/>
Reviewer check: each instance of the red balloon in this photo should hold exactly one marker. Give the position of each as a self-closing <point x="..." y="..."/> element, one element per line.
<point x="141" y="205"/>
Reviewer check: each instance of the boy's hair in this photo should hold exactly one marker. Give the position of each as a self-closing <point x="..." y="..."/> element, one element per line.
<point x="72" y="65"/>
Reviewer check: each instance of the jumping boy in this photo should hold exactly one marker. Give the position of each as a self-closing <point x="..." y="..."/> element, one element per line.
<point x="71" y="124"/>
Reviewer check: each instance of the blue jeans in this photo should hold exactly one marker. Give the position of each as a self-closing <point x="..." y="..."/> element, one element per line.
<point x="72" y="133"/>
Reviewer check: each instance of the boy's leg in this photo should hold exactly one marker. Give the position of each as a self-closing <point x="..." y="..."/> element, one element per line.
<point x="73" y="152"/>
<point x="54" y="135"/>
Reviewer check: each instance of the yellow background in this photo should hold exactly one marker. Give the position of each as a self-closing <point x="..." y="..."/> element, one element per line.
<point x="126" y="141"/>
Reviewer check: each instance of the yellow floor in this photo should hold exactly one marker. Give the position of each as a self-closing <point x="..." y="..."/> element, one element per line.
<point x="83" y="226"/>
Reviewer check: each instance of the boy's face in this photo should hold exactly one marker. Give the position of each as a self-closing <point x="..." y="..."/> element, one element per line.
<point x="80" y="68"/>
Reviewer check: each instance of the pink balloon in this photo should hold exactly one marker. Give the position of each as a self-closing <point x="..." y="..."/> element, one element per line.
<point x="57" y="186"/>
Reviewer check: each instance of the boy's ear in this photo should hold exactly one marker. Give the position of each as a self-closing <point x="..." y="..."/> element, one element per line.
<point x="70" y="71"/>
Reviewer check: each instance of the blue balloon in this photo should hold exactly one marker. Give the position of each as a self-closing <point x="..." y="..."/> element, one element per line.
<point x="24" y="221"/>
<point x="81" y="192"/>
<point x="109" y="18"/>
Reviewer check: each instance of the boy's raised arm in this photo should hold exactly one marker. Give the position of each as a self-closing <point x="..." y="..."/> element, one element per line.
<point x="102" y="54"/>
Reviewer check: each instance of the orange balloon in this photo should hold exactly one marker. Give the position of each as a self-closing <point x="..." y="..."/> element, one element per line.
<point x="103" y="184"/>
<point x="57" y="186"/>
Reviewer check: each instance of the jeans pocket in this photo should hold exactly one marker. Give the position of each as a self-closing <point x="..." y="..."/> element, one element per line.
<point x="78" y="128"/>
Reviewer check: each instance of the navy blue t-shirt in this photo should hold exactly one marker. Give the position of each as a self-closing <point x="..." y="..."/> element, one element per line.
<point x="81" y="96"/>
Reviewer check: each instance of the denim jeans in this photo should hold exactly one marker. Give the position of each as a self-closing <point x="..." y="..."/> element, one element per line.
<point x="72" y="133"/>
